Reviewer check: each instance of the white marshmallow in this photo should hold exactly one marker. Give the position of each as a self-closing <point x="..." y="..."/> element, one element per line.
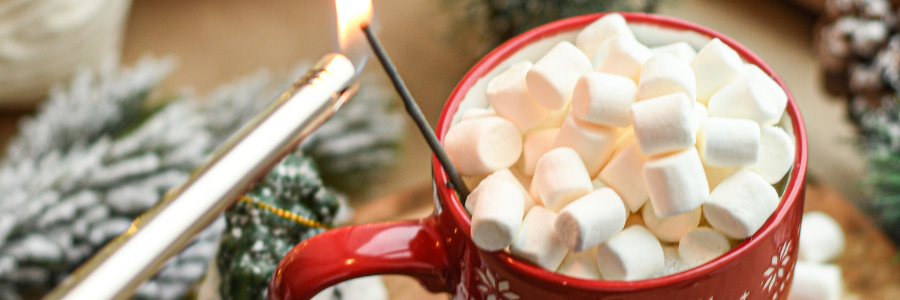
<point x="580" y="264"/>
<point x="508" y="176"/>
<point x="672" y="263"/>
<point x="536" y="242"/>
<point x="776" y="154"/>
<point x="821" y="237"/>
<point x="625" y="57"/>
<point x="780" y="99"/>
<point x="680" y="49"/>
<point x="594" y="143"/>
<point x="632" y="254"/>
<point x="740" y="205"/>
<point x="665" y="74"/>
<point x="483" y="145"/>
<point x="475" y="112"/>
<point x="726" y="142"/>
<point x="755" y="96"/>
<point x="594" y="34"/>
<point x="625" y="174"/>
<point x="497" y="216"/>
<point x="715" y="66"/>
<point x="700" y="114"/>
<point x="813" y="281"/>
<point x="676" y="183"/>
<point x="560" y="178"/>
<point x="604" y="99"/>
<point x="601" y="52"/>
<point x="590" y="220"/>
<point x="536" y="144"/>
<point x="551" y="80"/>
<point x="509" y="96"/>
<point x="715" y="175"/>
<point x="663" y="124"/>
<point x="702" y="245"/>
<point x="670" y="229"/>
<point x="471" y="200"/>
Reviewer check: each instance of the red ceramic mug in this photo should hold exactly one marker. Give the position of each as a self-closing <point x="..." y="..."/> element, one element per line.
<point x="439" y="252"/>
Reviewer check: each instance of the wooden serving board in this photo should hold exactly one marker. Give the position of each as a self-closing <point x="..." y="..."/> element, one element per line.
<point x="868" y="263"/>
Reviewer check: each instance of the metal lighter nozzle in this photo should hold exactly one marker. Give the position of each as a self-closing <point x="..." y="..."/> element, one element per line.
<point x="117" y="270"/>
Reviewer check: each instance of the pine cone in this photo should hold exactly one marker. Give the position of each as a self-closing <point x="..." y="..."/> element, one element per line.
<point x="858" y="46"/>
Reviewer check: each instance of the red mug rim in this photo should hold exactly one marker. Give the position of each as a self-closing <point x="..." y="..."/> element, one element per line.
<point x="452" y="204"/>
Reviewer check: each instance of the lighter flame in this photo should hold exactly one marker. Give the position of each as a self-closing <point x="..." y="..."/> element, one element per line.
<point x="351" y="16"/>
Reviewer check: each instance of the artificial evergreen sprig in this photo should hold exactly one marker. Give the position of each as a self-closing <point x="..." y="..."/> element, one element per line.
<point x="481" y="25"/>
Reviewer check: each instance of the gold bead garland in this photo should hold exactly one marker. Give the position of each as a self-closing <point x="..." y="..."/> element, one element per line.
<point x="284" y="213"/>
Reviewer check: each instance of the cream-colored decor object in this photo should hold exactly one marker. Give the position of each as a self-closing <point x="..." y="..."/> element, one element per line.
<point x="43" y="42"/>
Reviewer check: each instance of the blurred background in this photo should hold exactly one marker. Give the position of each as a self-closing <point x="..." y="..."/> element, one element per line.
<point x="836" y="56"/>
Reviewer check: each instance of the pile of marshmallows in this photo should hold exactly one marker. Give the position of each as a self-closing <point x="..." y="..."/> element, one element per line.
<point x="571" y="150"/>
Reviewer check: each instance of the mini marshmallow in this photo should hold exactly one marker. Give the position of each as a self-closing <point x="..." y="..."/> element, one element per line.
<point x="740" y="205"/>
<point x="776" y="154"/>
<point x="755" y="96"/>
<point x="700" y="114"/>
<point x="471" y="200"/>
<point x="604" y="99"/>
<point x="813" y="281"/>
<point x="726" y="142"/>
<point x="664" y="124"/>
<point x="676" y="183"/>
<point x="665" y="74"/>
<point x="580" y="264"/>
<point x="680" y="49"/>
<point x="625" y="174"/>
<point x="632" y="254"/>
<point x="594" y="34"/>
<point x="560" y="178"/>
<point x="715" y="66"/>
<point x="702" y="245"/>
<point x="601" y="52"/>
<point x="625" y="57"/>
<point x="590" y="220"/>
<point x="821" y="237"/>
<point x="497" y="216"/>
<point x="475" y="112"/>
<point x="780" y="100"/>
<point x="536" y="242"/>
<point x="509" y="96"/>
<point x="551" y="80"/>
<point x="483" y="145"/>
<point x="715" y="175"/>
<point x="536" y="144"/>
<point x="670" y="229"/>
<point x="672" y="263"/>
<point x="594" y="143"/>
<point x="507" y="175"/>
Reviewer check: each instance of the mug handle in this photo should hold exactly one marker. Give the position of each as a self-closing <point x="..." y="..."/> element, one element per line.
<point x="410" y="247"/>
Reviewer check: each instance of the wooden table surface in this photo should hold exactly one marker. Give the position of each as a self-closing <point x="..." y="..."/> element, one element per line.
<point x="870" y="269"/>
